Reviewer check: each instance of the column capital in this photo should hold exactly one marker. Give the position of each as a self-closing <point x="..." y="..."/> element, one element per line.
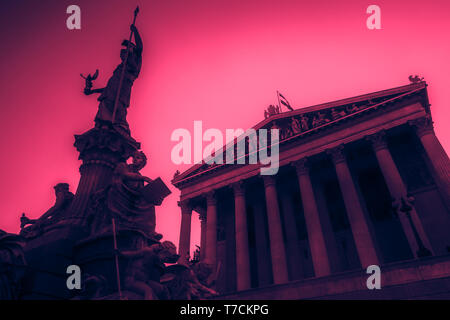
<point x="301" y="166"/>
<point x="378" y="140"/>
<point x="268" y="181"/>
<point x="337" y="154"/>
<point x="211" y="198"/>
<point x="238" y="188"/>
<point x="422" y="125"/>
<point x="185" y="206"/>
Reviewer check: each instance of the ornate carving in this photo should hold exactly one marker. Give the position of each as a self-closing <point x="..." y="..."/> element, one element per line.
<point x="422" y="125"/>
<point x="146" y="267"/>
<point x="295" y="125"/>
<point x="123" y="200"/>
<point x="337" y="114"/>
<point x="378" y="140"/>
<point x="105" y="145"/>
<point x="190" y="282"/>
<point x="337" y="154"/>
<point x="352" y="108"/>
<point x="319" y="119"/>
<point x="304" y="122"/>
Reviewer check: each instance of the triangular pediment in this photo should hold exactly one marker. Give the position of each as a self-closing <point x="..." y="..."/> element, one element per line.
<point x="306" y="121"/>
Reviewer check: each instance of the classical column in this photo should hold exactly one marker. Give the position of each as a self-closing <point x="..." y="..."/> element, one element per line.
<point x="242" y="251"/>
<point x="436" y="154"/>
<point x="361" y="234"/>
<point x="211" y="229"/>
<point x="314" y="228"/>
<point x="185" y="231"/>
<point x="202" y="236"/>
<point x="398" y="191"/>
<point x="277" y="250"/>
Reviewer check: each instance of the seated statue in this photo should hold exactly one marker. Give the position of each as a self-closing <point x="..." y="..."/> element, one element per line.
<point x="11" y="260"/>
<point x="31" y="227"/>
<point x="123" y="201"/>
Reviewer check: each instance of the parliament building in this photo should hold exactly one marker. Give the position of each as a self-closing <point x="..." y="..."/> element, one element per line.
<point x="362" y="181"/>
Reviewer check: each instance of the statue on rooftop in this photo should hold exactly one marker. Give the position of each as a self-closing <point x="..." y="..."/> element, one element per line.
<point x="415" y="79"/>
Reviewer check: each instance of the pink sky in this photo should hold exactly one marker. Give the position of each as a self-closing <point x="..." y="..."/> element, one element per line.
<point x="219" y="61"/>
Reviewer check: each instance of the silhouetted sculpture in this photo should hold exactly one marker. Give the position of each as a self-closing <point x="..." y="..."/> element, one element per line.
<point x="12" y="263"/>
<point x="415" y="79"/>
<point x="32" y="227"/>
<point x="106" y="113"/>
<point x="122" y="200"/>
<point x="145" y="268"/>
<point x="189" y="282"/>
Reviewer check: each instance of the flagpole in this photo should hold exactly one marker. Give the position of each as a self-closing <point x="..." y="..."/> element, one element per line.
<point x="116" y="102"/>
<point x="279" y="104"/>
<point x="116" y="258"/>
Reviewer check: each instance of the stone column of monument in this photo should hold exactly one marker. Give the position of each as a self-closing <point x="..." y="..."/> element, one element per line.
<point x="211" y="229"/>
<point x="242" y="250"/>
<point x="360" y="230"/>
<point x="397" y="190"/>
<point x="202" y="217"/>
<point x="436" y="154"/>
<point x="185" y="231"/>
<point x="101" y="149"/>
<point x="277" y="249"/>
<point x="313" y="226"/>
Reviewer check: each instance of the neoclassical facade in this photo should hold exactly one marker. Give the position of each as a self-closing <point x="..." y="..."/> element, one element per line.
<point x="362" y="181"/>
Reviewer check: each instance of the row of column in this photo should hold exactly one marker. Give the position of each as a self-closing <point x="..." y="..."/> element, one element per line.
<point x="365" y="243"/>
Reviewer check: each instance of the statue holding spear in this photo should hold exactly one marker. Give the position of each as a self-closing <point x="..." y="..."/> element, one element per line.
<point x="115" y="97"/>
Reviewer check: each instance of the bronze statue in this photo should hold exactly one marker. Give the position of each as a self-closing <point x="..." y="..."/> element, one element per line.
<point x="115" y="97"/>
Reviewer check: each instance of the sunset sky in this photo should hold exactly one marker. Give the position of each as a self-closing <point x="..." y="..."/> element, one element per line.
<point x="219" y="61"/>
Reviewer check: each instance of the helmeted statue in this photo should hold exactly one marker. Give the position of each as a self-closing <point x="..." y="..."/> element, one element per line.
<point x="106" y="114"/>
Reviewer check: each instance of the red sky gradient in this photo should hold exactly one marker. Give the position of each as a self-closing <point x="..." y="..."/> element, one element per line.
<point x="219" y="61"/>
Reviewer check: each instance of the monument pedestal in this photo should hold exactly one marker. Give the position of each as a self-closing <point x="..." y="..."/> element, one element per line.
<point x="55" y="245"/>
